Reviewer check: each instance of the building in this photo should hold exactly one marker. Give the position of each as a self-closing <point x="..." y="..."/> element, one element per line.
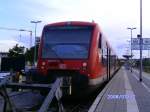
<point x="3" y="54"/>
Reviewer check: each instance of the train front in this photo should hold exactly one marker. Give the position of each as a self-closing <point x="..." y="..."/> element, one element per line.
<point x="64" y="52"/>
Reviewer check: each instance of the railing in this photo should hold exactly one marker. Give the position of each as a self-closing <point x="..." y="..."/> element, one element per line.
<point x="55" y="91"/>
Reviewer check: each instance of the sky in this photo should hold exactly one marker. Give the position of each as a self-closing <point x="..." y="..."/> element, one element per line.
<point x="113" y="16"/>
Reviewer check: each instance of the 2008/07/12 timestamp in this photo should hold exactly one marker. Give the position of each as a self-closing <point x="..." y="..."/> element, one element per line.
<point x="111" y="97"/>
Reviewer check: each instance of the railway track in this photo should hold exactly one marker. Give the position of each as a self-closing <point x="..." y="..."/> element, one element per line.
<point x="82" y="104"/>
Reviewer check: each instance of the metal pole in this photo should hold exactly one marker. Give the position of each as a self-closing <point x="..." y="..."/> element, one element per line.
<point x="14" y="29"/>
<point x="35" y="45"/>
<point x="131" y="50"/>
<point x="131" y="44"/>
<point x="35" y="22"/>
<point x="141" y="66"/>
<point x="30" y="39"/>
<point x="132" y="28"/>
<point x="30" y="36"/>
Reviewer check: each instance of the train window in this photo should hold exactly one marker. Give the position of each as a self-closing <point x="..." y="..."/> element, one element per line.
<point x="66" y="42"/>
<point x="104" y="55"/>
<point x="100" y="41"/>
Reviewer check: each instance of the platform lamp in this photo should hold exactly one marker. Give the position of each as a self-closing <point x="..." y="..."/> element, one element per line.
<point x="35" y="22"/>
<point x="131" y="28"/>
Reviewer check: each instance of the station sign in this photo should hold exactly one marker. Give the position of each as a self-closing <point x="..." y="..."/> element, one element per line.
<point x="136" y="44"/>
<point x="146" y="41"/>
<point x="135" y="41"/>
<point x="137" y="47"/>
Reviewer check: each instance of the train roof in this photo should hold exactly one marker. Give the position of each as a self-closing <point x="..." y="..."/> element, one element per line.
<point x="80" y="23"/>
<point x="72" y="23"/>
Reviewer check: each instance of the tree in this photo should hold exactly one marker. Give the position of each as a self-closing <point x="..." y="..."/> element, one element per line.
<point x="29" y="54"/>
<point x="16" y="51"/>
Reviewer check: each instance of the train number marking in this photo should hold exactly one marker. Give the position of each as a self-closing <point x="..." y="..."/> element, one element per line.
<point x="62" y="66"/>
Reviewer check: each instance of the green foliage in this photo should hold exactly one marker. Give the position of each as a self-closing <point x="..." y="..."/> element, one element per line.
<point x="29" y="54"/>
<point x="16" y="51"/>
<point x="146" y="62"/>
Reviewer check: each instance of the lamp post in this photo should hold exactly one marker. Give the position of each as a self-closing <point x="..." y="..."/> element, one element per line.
<point x="35" y="22"/>
<point x="131" y="28"/>
<point x="128" y="47"/>
<point x="14" y="29"/>
<point x="30" y="35"/>
<point x="140" y="37"/>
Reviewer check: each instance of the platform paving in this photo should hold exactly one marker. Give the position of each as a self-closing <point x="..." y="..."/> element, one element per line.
<point x="124" y="93"/>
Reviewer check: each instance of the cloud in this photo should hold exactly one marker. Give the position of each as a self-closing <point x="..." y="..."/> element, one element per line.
<point x="6" y="44"/>
<point x="113" y="16"/>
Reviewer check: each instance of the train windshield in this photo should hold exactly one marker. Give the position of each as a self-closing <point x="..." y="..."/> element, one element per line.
<point x="66" y="42"/>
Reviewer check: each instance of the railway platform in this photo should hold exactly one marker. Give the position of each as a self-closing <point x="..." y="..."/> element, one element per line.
<point x="124" y="93"/>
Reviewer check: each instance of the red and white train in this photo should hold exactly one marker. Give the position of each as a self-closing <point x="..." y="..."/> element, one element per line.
<point x="78" y="50"/>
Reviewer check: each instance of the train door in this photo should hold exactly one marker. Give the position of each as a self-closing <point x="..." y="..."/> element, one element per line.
<point x="104" y="56"/>
<point x="108" y="63"/>
<point x="100" y="50"/>
<point x="115" y="63"/>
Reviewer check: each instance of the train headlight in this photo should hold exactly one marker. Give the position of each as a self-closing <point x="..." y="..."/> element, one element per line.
<point x="84" y="64"/>
<point x="43" y="63"/>
<point x="42" y="67"/>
